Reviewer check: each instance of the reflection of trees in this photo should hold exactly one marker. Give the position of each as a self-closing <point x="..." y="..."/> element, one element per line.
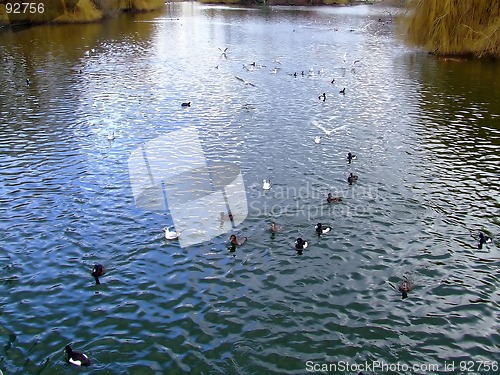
<point x="453" y="95"/>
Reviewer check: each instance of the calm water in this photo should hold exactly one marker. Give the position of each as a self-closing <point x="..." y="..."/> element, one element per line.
<point x="427" y="136"/>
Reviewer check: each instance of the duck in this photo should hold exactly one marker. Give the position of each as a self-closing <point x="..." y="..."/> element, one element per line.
<point x="483" y="240"/>
<point x="350" y="157"/>
<point x="320" y="229"/>
<point x="300" y="245"/>
<point x="322" y="96"/>
<point x="266" y="184"/>
<point x="331" y="199"/>
<point x="76" y="358"/>
<point x="352" y="178"/>
<point x="186" y="104"/>
<point x="237" y="241"/>
<point x="275" y="228"/>
<point x="405" y="286"/>
<point x="171" y="235"/>
<point x="97" y="272"/>
<point x="225" y="217"/>
<point x="111" y="136"/>
<point x="28" y="82"/>
<point x="333" y="80"/>
<point x="342" y="92"/>
<point x="317" y="139"/>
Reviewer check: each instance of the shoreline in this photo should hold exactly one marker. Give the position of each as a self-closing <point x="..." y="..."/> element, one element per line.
<point x="86" y="11"/>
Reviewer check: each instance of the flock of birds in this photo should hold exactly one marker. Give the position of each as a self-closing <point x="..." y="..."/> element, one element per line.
<point x="300" y="244"/>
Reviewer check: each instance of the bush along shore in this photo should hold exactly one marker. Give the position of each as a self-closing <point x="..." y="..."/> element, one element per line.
<point x="454" y="27"/>
<point x="64" y="11"/>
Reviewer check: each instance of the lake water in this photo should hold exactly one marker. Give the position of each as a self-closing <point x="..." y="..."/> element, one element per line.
<point x="426" y="133"/>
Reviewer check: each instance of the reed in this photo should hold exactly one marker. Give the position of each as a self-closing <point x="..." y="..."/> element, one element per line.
<point x="454" y="27"/>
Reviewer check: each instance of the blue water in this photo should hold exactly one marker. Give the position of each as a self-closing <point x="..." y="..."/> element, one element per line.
<point x="426" y="133"/>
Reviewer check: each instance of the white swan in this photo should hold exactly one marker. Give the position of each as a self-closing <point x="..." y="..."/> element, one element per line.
<point x="111" y="136"/>
<point x="266" y="184"/>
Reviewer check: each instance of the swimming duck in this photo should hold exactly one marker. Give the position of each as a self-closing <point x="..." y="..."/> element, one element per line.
<point x="322" y="96"/>
<point x="320" y="229"/>
<point x="111" y="136"/>
<point x="350" y="157"/>
<point x="97" y="272"/>
<point x="237" y="241"/>
<point x="352" y="178"/>
<point x="28" y="82"/>
<point x="483" y="240"/>
<point x="275" y="228"/>
<point x="317" y="139"/>
<point x="76" y="358"/>
<point x="186" y="104"/>
<point x="342" y="91"/>
<point x="300" y="245"/>
<point x="171" y="235"/>
<point x="331" y="199"/>
<point x="225" y="217"/>
<point x="266" y="184"/>
<point x="405" y="286"/>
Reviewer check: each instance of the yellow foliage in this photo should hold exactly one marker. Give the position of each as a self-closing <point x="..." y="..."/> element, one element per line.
<point x="85" y="11"/>
<point x="3" y="14"/>
<point x="455" y="27"/>
<point x="144" y="5"/>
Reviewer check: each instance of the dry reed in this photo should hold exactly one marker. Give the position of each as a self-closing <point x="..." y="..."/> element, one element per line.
<point x="455" y="27"/>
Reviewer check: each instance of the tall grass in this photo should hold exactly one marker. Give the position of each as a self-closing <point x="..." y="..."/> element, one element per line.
<point x="455" y="27"/>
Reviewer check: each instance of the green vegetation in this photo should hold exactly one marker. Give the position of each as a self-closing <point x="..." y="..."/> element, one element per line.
<point x="455" y="27"/>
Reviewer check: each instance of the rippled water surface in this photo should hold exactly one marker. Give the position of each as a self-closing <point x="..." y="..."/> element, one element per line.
<point x="426" y="133"/>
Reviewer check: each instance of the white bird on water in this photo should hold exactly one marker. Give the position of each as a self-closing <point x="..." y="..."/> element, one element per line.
<point x="317" y="139"/>
<point x="171" y="235"/>
<point x="266" y="184"/>
<point x="111" y="136"/>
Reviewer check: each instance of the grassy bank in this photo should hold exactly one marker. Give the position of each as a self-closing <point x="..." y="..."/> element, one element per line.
<point x="77" y="10"/>
<point x="455" y="27"/>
